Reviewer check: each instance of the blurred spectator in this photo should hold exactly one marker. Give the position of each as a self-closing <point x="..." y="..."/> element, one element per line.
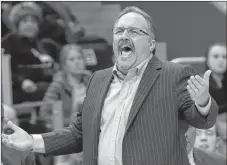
<point x="200" y="157"/>
<point x="60" y="24"/>
<point x="206" y="139"/>
<point x="9" y="155"/>
<point x="211" y="139"/>
<point x="27" y="63"/>
<point x="216" y="62"/>
<point x="69" y="84"/>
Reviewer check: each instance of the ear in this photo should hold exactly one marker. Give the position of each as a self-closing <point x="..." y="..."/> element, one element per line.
<point x="218" y="143"/>
<point x="152" y="44"/>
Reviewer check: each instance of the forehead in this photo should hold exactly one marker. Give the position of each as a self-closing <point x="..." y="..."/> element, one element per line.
<point x="213" y="129"/>
<point x="132" y="20"/>
<point x="74" y="52"/>
<point x="217" y="49"/>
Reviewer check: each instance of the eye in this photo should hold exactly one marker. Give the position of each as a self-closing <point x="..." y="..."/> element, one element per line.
<point x="215" y="56"/>
<point x="118" y="31"/>
<point x="134" y="31"/>
<point x="209" y="132"/>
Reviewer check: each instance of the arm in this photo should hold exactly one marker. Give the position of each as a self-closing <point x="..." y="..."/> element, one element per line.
<point x="188" y="110"/>
<point x="68" y="140"/>
<point x="52" y="94"/>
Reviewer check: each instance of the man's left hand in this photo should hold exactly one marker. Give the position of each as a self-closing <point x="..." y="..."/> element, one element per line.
<point x="198" y="89"/>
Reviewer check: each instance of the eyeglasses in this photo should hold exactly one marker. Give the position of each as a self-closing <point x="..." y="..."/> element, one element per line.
<point x="132" y="31"/>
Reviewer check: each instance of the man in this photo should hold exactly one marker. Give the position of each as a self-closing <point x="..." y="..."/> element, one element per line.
<point x="201" y="157"/>
<point x="134" y="113"/>
<point x="9" y="155"/>
<point x="208" y="140"/>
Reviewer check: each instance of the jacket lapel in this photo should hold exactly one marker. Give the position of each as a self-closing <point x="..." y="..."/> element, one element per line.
<point x="101" y="94"/>
<point x="147" y="81"/>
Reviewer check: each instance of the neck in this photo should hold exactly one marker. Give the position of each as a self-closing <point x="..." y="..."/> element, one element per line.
<point x="74" y="79"/>
<point x="218" y="79"/>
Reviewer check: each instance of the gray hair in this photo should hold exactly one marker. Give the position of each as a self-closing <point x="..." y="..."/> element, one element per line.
<point x="149" y="20"/>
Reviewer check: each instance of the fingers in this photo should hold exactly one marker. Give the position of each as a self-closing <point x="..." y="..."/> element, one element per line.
<point x="200" y="80"/>
<point x="207" y="76"/>
<point x="192" y="86"/>
<point x="7" y="140"/>
<point x="11" y="144"/>
<point x="12" y="126"/>
<point x="195" y="82"/>
<point x="190" y="90"/>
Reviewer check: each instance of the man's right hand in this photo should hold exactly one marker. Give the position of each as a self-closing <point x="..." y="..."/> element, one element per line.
<point x="19" y="140"/>
<point x="28" y="86"/>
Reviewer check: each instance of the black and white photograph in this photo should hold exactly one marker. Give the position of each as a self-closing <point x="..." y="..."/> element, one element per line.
<point x="113" y="83"/>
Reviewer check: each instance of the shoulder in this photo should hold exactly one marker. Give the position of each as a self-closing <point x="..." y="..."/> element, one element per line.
<point x="210" y="157"/>
<point x="179" y="71"/>
<point x="176" y="67"/>
<point x="59" y="76"/>
<point x="103" y="73"/>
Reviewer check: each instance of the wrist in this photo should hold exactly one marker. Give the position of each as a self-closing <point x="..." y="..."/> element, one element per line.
<point x="205" y="102"/>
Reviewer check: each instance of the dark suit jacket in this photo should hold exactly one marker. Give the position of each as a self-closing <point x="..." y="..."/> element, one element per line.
<point x="208" y="158"/>
<point x="158" y="120"/>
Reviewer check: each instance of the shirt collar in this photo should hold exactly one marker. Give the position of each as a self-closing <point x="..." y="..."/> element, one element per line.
<point x="191" y="157"/>
<point x="136" y="71"/>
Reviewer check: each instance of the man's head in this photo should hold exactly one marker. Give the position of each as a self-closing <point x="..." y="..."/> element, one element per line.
<point x="206" y="139"/>
<point x="190" y="138"/>
<point x="133" y="38"/>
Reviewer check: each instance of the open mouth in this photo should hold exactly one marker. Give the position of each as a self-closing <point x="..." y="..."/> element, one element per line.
<point x="126" y="51"/>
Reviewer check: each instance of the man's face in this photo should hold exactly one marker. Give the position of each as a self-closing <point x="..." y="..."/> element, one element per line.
<point x="206" y="139"/>
<point x="190" y="138"/>
<point x="130" y="50"/>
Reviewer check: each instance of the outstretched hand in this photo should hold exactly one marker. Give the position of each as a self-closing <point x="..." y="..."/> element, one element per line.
<point x="19" y="140"/>
<point x="198" y="89"/>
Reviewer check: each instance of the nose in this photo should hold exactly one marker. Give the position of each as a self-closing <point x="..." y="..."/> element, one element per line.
<point x="203" y="137"/>
<point x="125" y="34"/>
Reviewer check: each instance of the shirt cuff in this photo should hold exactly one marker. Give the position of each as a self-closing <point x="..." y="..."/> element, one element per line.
<point x="38" y="143"/>
<point x="206" y="108"/>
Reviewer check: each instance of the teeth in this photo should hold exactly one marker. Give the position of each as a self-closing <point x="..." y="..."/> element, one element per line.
<point x="126" y="53"/>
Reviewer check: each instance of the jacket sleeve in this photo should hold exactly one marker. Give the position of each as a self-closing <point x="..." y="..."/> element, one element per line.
<point x="186" y="106"/>
<point x="67" y="140"/>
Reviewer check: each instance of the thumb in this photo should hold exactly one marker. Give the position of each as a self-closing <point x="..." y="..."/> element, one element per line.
<point x="206" y="76"/>
<point x="12" y="126"/>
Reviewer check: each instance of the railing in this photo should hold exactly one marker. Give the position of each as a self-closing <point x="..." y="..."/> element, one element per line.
<point x="57" y="116"/>
<point x="189" y="60"/>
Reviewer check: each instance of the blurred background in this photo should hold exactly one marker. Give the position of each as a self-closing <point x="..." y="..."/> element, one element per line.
<point x="50" y="49"/>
